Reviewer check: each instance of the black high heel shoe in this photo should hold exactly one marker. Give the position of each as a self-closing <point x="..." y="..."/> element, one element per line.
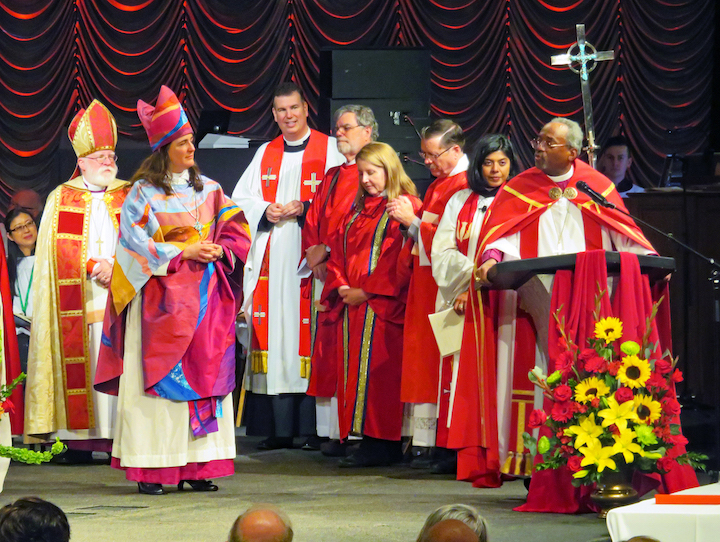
<point x="150" y="489"/>
<point x="198" y="485"/>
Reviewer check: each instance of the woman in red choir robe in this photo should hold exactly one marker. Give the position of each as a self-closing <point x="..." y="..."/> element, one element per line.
<point x="366" y="289"/>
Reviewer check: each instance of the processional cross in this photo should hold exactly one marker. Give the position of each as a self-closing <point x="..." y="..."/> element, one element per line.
<point x="582" y="58"/>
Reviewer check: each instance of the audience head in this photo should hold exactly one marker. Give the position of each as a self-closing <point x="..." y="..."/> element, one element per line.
<point x="29" y="201"/>
<point x="380" y="171"/>
<point x="459" y="512"/>
<point x="262" y="523"/>
<point x="33" y="520"/>
<point x="355" y="127"/>
<point x="21" y="229"/>
<point x="615" y="159"/>
<point x="642" y="539"/>
<point x="492" y="162"/>
<point x="557" y="146"/>
<point x="442" y="146"/>
<point x="290" y="111"/>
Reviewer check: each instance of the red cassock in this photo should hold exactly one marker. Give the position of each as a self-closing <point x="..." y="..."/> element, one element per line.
<point x="365" y="256"/>
<point x="329" y="209"/>
<point x="421" y="358"/>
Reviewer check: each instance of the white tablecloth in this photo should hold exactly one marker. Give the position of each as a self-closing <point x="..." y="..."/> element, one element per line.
<point x="668" y="522"/>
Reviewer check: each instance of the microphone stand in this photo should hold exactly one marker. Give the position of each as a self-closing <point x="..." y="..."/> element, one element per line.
<point x="714" y="279"/>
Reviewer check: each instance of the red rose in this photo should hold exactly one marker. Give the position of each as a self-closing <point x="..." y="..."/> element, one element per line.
<point x="562" y="412"/>
<point x="623" y="394"/>
<point x="537" y="419"/>
<point x="656" y="380"/>
<point x="670" y="406"/>
<point x="562" y="393"/>
<point x="564" y="363"/>
<point x="573" y="463"/>
<point x="582" y="409"/>
<point x="677" y="376"/>
<point x="666" y="464"/>
<point x="614" y="367"/>
<point x="663" y="366"/>
<point x="595" y="402"/>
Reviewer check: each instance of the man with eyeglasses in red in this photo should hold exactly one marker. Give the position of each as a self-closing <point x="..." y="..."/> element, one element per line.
<point x="542" y="212"/>
<point x="73" y="268"/>
<point x="441" y="147"/>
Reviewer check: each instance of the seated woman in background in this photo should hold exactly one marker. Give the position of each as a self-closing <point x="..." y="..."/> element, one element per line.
<point x="366" y="291"/>
<point x="22" y="236"/>
<point x="492" y="163"/>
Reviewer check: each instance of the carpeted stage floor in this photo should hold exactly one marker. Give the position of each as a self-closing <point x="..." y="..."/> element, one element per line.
<point x="324" y="502"/>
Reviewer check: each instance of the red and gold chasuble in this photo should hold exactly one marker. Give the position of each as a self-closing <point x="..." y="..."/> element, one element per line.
<point x="72" y="220"/>
<point x="313" y="170"/>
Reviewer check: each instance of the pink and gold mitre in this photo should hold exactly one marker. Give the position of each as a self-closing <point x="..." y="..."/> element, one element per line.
<point x="93" y="129"/>
<point x="166" y="121"/>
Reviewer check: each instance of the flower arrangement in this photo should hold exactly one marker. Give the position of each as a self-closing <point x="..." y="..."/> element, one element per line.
<point x="611" y="406"/>
<point x="23" y="455"/>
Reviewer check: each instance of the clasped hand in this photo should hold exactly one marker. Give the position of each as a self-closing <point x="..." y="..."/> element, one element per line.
<point x="203" y="252"/>
<point x="275" y="212"/>
<point x="102" y="272"/>
<point x="401" y="209"/>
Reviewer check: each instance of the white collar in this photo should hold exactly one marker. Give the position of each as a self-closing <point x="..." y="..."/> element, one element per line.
<point x="564" y="177"/>
<point x="299" y="141"/>
<point x="461" y="166"/>
<point x="180" y="178"/>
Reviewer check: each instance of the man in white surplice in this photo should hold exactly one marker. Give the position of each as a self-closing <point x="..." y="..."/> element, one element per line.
<point x="274" y="192"/>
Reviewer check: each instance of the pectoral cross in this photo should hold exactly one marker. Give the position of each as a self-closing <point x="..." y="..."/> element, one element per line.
<point x="268" y="177"/>
<point x="312" y="182"/>
<point x="99" y="244"/>
<point x="259" y="314"/>
<point x="582" y="62"/>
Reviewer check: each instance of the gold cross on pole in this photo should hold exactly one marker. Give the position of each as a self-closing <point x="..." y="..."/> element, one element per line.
<point x="582" y="58"/>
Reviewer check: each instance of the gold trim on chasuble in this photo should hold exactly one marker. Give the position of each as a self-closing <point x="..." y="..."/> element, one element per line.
<point x="71" y="225"/>
<point x="368" y="329"/>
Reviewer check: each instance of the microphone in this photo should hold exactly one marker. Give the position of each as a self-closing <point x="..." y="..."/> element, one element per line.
<point x="595" y="196"/>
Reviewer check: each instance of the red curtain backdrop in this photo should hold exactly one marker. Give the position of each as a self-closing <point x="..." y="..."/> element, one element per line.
<point x="490" y="66"/>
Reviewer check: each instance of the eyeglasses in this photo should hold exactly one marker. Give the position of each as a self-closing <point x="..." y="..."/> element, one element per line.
<point x="102" y="159"/>
<point x="29" y="225"/>
<point x="538" y="143"/>
<point x="345" y="128"/>
<point x="432" y="157"/>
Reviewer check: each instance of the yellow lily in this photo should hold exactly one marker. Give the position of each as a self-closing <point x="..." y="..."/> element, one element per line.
<point x="587" y="431"/>
<point x="617" y="414"/>
<point x="597" y="454"/>
<point x="626" y="445"/>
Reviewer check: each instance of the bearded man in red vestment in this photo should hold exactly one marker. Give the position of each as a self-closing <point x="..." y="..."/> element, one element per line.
<point x="355" y="127"/>
<point x="442" y="149"/>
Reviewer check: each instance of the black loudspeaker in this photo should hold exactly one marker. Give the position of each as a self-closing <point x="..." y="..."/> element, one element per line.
<point x="394" y="83"/>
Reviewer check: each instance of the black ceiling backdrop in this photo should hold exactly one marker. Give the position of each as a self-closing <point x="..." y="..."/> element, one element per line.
<point x="490" y="65"/>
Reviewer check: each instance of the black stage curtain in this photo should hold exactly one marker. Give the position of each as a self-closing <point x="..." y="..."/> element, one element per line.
<point x="490" y="66"/>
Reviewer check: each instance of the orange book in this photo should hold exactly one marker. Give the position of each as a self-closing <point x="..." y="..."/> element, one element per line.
<point x="687" y="499"/>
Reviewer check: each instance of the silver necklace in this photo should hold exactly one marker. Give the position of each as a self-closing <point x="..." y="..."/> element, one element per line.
<point x="196" y="215"/>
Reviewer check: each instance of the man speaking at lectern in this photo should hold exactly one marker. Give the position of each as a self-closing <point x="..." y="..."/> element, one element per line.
<point x="542" y="212"/>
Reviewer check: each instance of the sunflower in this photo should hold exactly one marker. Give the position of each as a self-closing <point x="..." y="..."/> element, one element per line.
<point x="609" y="329"/>
<point x="647" y="409"/>
<point x="590" y="388"/>
<point x="634" y="372"/>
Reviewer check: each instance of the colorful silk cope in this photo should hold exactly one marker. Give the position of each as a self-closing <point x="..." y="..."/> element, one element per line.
<point x="366" y="257"/>
<point x="313" y="169"/>
<point x="329" y="209"/>
<point x="421" y="358"/>
<point x="188" y="307"/>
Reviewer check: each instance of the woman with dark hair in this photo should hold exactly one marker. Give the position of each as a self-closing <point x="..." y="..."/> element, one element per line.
<point x="168" y="347"/>
<point x="22" y="236"/>
<point x="492" y="163"/>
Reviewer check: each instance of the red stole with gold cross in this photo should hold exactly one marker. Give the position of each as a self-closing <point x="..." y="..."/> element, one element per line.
<point x="313" y="170"/>
<point x="72" y="219"/>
